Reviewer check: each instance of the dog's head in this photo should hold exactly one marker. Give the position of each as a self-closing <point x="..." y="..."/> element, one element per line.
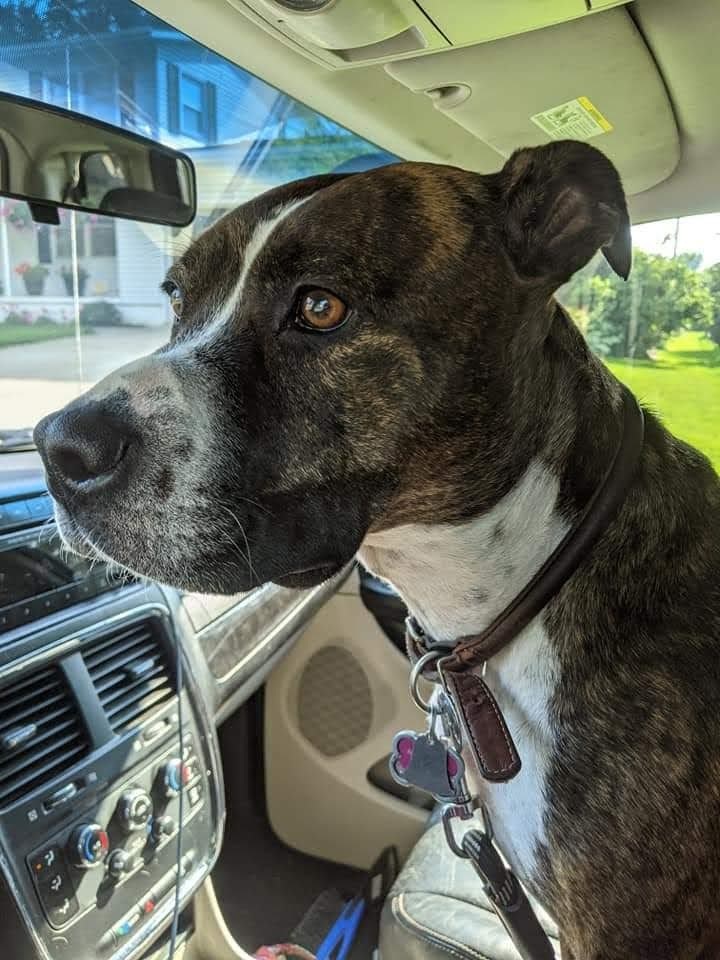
<point x="340" y="343"/>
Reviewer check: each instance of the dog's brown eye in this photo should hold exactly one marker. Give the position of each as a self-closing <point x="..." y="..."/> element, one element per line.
<point x="321" y="310"/>
<point x="176" y="302"/>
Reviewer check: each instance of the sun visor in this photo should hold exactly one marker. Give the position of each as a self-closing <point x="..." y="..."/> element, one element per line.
<point x="589" y="79"/>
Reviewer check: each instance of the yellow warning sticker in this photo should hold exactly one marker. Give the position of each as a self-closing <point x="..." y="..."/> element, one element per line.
<point x="577" y="119"/>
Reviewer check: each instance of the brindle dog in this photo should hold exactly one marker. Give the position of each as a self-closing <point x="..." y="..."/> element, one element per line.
<point x="377" y="363"/>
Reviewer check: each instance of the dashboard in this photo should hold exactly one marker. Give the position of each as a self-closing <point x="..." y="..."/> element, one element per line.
<point x="111" y="791"/>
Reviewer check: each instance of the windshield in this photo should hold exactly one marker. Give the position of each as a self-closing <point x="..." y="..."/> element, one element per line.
<point x="79" y="299"/>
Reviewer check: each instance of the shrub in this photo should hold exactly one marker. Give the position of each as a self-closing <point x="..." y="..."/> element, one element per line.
<point x="18" y="318"/>
<point x="100" y="313"/>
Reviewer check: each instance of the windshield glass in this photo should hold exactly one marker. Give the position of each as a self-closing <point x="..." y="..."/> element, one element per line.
<point x="79" y="299"/>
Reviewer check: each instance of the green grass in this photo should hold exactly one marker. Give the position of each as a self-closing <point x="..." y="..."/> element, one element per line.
<point x="12" y="334"/>
<point x="683" y="387"/>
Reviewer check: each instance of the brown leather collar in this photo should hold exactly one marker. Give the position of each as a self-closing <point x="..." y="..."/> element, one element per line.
<point x="484" y="724"/>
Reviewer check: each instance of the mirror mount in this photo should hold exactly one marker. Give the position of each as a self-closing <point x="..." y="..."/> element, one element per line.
<point x="44" y="212"/>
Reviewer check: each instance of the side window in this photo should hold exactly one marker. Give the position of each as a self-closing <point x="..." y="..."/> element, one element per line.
<point x="659" y="331"/>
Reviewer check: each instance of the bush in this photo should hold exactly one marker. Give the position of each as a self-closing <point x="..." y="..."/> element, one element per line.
<point x="662" y="297"/>
<point x="100" y="313"/>
<point x="16" y="318"/>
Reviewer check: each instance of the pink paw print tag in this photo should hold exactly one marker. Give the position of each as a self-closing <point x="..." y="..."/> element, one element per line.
<point x="424" y="761"/>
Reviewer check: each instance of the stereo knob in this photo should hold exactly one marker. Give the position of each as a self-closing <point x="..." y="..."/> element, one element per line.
<point x="88" y="846"/>
<point x="174" y="776"/>
<point x="161" y="828"/>
<point x="134" y="809"/>
<point x="119" y="863"/>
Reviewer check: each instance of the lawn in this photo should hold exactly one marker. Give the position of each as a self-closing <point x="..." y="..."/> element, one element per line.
<point x="15" y="333"/>
<point x="683" y="387"/>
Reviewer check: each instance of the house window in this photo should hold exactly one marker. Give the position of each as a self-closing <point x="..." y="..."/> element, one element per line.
<point x="192" y="107"/>
<point x="102" y="238"/>
<point x="95" y="238"/>
<point x="63" y="241"/>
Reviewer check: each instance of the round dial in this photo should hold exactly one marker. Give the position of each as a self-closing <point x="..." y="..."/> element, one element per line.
<point x="134" y="809"/>
<point x="174" y="775"/>
<point x="120" y="862"/>
<point x="88" y="846"/>
<point x="161" y="828"/>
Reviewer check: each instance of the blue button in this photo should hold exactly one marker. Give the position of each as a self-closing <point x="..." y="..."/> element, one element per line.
<point x="40" y="507"/>
<point x="16" y="512"/>
<point x="128" y="923"/>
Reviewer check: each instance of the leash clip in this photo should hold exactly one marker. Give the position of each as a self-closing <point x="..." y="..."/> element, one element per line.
<point x="463" y="809"/>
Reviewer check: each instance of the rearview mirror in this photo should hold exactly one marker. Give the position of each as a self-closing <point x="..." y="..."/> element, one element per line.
<point x="53" y="158"/>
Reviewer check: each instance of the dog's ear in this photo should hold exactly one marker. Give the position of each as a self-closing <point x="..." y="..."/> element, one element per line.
<point x="563" y="202"/>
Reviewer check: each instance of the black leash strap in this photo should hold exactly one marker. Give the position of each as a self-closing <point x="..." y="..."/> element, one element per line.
<point x="502" y="888"/>
<point x="508" y="898"/>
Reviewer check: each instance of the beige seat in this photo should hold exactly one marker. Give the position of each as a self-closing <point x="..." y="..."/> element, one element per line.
<point x="437" y="909"/>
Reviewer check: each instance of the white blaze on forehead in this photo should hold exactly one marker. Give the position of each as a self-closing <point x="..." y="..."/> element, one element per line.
<point x="258" y="240"/>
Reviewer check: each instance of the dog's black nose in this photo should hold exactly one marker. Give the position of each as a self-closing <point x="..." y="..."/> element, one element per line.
<point x="82" y="447"/>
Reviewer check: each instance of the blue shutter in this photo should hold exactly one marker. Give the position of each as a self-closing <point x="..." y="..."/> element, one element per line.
<point x="173" y="98"/>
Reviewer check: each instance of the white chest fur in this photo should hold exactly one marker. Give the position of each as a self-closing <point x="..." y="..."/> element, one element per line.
<point x="455" y="578"/>
<point x="522" y="680"/>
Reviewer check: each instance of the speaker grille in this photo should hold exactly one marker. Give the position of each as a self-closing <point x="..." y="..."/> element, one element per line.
<point x="334" y="701"/>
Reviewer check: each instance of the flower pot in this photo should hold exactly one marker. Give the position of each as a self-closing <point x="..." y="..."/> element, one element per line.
<point x="34" y="285"/>
<point x="68" y="281"/>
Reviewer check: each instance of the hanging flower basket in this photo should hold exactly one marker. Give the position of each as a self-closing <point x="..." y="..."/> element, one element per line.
<point x="19" y="216"/>
<point x="67" y="277"/>
<point x="34" y="276"/>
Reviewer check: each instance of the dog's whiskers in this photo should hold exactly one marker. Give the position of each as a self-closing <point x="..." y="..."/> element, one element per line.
<point x="248" y="558"/>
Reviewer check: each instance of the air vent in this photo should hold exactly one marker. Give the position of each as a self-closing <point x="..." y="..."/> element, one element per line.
<point x="132" y="675"/>
<point x="41" y="734"/>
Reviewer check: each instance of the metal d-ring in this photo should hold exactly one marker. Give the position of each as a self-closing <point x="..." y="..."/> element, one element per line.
<point x="417" y="671"/>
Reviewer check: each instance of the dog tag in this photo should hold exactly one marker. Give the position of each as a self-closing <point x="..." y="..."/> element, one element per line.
<point x="425" y="761"/>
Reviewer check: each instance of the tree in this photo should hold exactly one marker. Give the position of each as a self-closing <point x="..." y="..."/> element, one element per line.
<point x="662" y="296"/>
<point x="712" y="282"/>
<point x="27" y="21"/>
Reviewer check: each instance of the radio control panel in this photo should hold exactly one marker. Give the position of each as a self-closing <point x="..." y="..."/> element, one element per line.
<point x="95" y="851"/>
<point x="83" y="865"/>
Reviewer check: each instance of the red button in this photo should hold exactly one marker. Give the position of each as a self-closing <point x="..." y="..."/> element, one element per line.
<point x="149" y="905"/>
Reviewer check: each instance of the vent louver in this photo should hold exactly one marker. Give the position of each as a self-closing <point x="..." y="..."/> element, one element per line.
<point x="131" y="673"/>
<point x="41" y="734"/>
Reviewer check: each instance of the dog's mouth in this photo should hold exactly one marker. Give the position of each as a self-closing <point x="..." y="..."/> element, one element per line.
<point x="78" y="541"/>
<point x="309" y="576"/>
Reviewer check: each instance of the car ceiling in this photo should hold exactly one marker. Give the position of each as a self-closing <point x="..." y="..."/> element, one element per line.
<point x="650" y="67"/>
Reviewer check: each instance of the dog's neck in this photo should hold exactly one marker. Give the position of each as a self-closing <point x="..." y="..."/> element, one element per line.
<point x="456" y="578"/>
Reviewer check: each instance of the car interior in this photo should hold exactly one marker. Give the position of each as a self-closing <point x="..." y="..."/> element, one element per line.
<point x="206" y="777"/>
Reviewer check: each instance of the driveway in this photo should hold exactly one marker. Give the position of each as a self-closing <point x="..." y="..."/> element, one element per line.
<point x="36" y="378"/>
